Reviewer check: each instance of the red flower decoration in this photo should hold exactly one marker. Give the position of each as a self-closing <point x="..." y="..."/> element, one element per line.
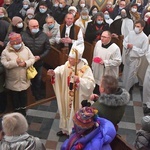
<point x="97" y="60"/>
<point x="79" y="146"/>
<point x="52" y="79"/>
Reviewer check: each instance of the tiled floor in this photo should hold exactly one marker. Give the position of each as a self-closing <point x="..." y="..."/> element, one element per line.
<point x="44" y="121"/>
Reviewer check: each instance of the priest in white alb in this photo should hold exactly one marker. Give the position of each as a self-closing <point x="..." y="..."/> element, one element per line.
<point x="106" y="59"/>
<point x="135" y="45"/>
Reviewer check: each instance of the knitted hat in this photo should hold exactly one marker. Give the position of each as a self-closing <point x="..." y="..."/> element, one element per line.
<point x="79" y="48"/>
<point x="72" y="8"/>
<point x="15" y="38"/>
<point x="16" y="20"/>
<point x="146" y="123"/>
<point x="134" y="4"/>
<point x="43" y="3"/>
<point x="84" y="118"/>
<point x="30" y="11"/>
<point x="14" y="124"/>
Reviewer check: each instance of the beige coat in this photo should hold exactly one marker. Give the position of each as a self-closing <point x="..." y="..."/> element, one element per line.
<point x="16" y="79"/>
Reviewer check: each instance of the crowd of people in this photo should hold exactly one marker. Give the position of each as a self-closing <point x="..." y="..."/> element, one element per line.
<point x="28" y="28"/>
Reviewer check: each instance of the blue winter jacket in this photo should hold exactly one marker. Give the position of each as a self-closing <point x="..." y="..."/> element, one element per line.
<point x="99" y="139"/>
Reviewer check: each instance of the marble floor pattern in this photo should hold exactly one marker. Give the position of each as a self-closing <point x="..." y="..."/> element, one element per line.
<point x="44" y="121"/>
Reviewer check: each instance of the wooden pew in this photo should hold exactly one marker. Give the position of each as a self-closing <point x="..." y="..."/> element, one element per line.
<point x="120" y="144"/>
<point x="118" y="41"/>
<point x="88" y="52"/>
<point x="56" y="57"/>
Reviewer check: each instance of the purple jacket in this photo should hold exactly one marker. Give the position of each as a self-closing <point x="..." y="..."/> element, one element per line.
<point x="99" y="139"/>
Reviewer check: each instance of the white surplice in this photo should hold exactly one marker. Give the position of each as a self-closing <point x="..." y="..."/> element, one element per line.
<point x="112" y="59"/>
<point x="133" y="57"/>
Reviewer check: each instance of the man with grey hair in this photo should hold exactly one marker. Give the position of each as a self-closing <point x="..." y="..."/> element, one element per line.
<point x="26" y="6"/>
<point x="69" y="33"/>
<point x="51" y="27"/>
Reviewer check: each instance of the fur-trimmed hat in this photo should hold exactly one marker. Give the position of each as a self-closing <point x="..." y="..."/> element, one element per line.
<point x="15" y="38"/>
<point x="79" y="49"/>
<point x="14" y="124"/>
<point x="85" y="118"/>
<point x="72" y="8"/>
<point x="146" y="123"/>
<point x="16" y="20"/>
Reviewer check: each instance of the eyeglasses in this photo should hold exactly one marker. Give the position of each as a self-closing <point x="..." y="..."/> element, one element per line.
<point x="104" y="37"/>
<point x="35" y="26"/>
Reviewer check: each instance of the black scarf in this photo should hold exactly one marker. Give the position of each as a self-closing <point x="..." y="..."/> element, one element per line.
<point x="107" y="45"/>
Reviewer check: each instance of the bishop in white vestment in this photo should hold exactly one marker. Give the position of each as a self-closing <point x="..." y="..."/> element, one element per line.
<point x="71" y="86"/>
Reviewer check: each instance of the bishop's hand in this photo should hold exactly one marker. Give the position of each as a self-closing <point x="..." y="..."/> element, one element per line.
<point x="50" y="72"/>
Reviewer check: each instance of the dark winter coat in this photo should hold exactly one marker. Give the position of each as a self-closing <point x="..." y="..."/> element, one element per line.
<point x="3" y="32"/>
<point x="91" y="32"/>
<point x="60" y="14"/>
<point x="38" y="44"/>
<point x="2" y="77"/>
<point x="40" y="17"/>
<point x="14" y="8"/>
<point x="112" y="106"/>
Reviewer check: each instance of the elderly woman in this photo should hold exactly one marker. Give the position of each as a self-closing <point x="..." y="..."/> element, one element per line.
<point x="15" y="126"/>
<point x="4" y="15"/>
<point x="83" y="20"/>
<point x="95" y="28"/>
<point x="16" y="58"/>
<point x="134" y="13"/>
<point x="17" y="25"/>
<point x="26" y="6"/>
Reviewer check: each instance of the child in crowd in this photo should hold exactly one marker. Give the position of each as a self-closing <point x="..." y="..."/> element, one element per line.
<point x="143" y="135"/>
<point x="90" y="131"/>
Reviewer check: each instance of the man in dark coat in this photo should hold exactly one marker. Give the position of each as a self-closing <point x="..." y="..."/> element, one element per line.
<point x="38" y="43"/>
<point x="61" y="11"/>
<point x="42" y="14"/>
<point x="117" y="9"/>
<point x="3" y="32"/>
<point x="14" y="8"/>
